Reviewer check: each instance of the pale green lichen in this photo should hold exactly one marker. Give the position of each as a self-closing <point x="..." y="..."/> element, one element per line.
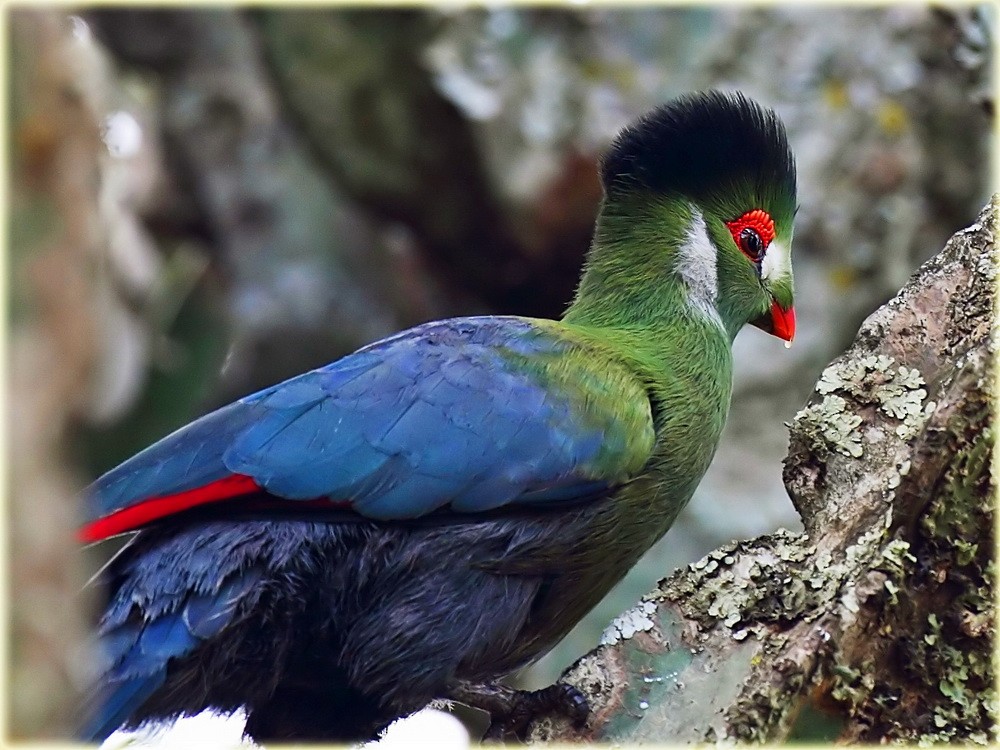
<point x="743" y="587"/>
<point x="896" y="556"/>
<point x="830" y="422"/>
<point x="853" y="686"/>
<point x="636" y="620"/>
<point x="898" y="392"/>
<point x="846" y="376"/>
<point x="955" y="648"/>
<point x="937" y="684"/>
<point x="902" y="469"/>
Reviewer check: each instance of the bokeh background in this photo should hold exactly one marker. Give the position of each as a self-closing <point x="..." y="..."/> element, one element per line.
<point x="204" y="202"/>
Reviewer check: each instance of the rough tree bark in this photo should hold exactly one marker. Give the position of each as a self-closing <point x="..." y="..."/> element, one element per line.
<point x="877" y="621"/>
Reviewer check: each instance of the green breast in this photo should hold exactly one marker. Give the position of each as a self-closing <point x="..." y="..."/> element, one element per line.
<point x="685" y="376"/>
<point x="672" y="388"/>
<point x="685" y="384"/>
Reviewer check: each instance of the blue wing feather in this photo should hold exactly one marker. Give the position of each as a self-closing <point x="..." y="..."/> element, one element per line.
<point x="435" y="416"/>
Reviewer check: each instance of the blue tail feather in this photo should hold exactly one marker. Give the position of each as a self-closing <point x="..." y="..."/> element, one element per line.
<point x="138" y="654"/>
<point x="120" y="701"/>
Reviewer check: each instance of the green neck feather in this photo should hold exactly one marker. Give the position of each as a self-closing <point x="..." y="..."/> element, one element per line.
<point x="632" y="277"/>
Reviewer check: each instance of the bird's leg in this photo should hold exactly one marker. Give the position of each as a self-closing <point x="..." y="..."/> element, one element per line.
<point x="512" y="710"/>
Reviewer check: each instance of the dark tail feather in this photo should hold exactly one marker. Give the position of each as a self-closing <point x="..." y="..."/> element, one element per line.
<point x="109" y="713"/>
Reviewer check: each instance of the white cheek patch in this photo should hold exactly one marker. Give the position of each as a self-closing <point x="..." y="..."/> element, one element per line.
<point x="777" y="263"/>
<point x="696" y="265"/>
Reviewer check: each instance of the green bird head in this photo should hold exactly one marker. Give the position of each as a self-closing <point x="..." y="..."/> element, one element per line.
<point x="699" y="198"/>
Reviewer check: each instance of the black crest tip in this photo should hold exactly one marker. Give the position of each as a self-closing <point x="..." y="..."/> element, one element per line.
<point x="699" y="144"/>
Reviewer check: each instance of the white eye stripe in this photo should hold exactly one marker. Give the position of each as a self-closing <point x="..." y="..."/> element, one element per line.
<point x="696" y="265"/>
<point x="776" y="262"/>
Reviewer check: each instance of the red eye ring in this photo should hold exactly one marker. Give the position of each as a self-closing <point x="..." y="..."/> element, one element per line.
<point x="759" y="221"/>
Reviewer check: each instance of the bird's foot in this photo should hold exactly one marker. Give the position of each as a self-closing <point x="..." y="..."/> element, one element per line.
<point x="511" y="711"/>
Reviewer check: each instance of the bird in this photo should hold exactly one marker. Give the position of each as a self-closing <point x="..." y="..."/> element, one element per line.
<point x="419" y="519"/>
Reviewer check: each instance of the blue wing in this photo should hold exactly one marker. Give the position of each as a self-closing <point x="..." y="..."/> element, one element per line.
<point x="457" y="414"/>
<point x="447" y="414"/>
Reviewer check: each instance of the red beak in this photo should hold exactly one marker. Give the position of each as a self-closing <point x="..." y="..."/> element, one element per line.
<point x="780" y="322"/>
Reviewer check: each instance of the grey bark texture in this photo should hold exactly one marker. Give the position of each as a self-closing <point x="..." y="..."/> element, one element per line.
<point x="876" y="623"/>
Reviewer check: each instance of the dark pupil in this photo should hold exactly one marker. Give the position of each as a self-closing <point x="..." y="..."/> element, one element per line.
<point x="751" y="244"/>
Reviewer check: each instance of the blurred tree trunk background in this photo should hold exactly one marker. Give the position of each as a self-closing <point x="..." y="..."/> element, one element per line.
<point x="207" y="201"/>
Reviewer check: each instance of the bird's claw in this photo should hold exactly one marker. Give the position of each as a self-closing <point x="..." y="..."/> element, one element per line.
<point x="512" y="711"/>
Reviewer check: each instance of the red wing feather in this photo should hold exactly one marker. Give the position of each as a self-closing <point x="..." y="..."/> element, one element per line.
<point x="134" y="516"/>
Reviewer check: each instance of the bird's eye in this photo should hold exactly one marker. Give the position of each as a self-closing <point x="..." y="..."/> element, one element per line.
<point x="752" y="233"/>
<point x="751" y="244"/>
